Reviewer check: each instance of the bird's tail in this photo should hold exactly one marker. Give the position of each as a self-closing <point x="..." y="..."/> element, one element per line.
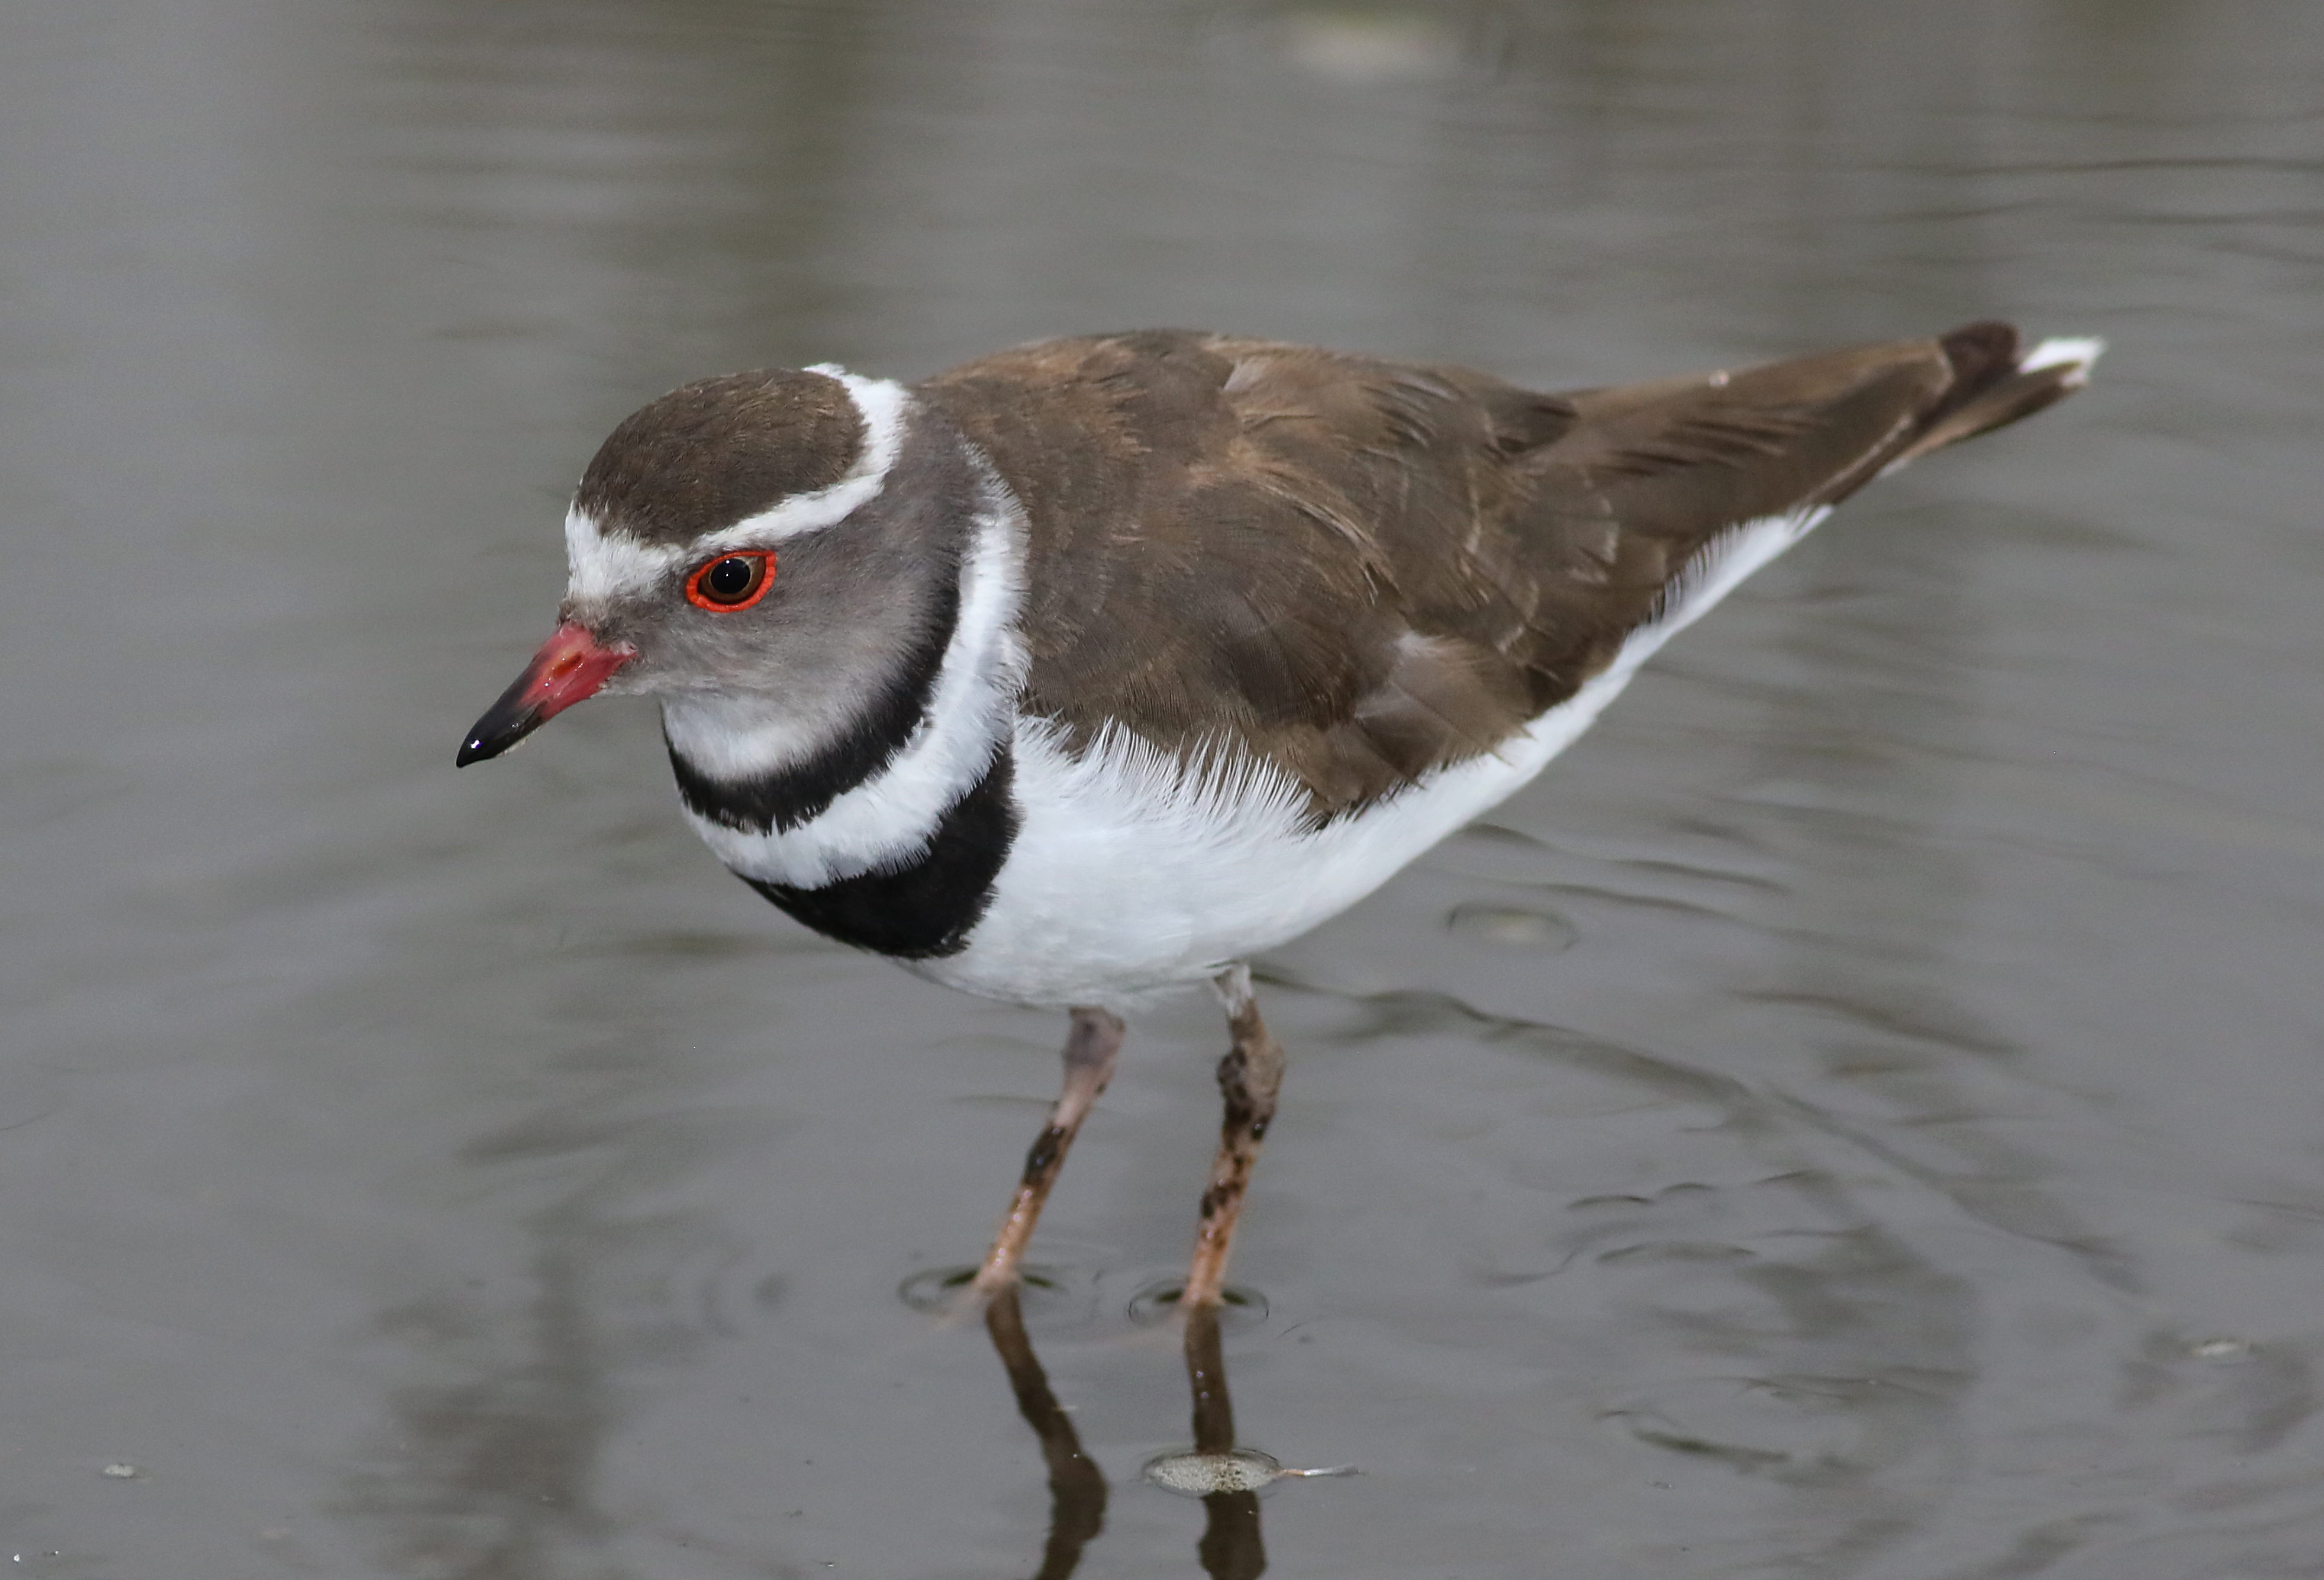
<point x="1995" y="383"/>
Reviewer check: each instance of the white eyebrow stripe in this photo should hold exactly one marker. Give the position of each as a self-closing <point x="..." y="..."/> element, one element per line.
<point x="882" y="404"/>
<point x="601" y="566"/>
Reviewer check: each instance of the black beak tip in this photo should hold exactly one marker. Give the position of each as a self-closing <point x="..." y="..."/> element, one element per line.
<point x="496" y="731"/>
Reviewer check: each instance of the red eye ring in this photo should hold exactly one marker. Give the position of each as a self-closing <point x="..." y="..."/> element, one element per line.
<point x="713" y="585"/>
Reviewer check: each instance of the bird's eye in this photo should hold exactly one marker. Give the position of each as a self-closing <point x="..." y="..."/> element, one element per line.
<point x="730" y="581"/>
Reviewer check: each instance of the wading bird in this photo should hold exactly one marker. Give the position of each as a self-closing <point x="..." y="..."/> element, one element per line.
<point x="1081" y="673"/>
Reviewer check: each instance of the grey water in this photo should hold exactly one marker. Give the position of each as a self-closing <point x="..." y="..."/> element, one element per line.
<point x="1860" y="1114"/>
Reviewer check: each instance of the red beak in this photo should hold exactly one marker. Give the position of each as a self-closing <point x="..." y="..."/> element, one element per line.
<point x="569" y="668"/>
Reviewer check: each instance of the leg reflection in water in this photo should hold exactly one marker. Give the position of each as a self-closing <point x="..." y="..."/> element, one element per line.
<point x="1076" y="1485"/>
<point x="1226" y="1478"/>
<point x="1231" y="1547"/>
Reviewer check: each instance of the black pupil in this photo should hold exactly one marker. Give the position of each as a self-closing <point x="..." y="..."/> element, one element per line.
<point x="730" y="579"/>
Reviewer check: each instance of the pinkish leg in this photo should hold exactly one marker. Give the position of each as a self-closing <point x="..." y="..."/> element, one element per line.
<point x="1249" y="1076"/>
<point x="1089" y="1049"/>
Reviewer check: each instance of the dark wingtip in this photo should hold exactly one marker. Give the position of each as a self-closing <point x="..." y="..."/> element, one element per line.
<point x="1995" y="382"/>
<point x="1980" y="352"/>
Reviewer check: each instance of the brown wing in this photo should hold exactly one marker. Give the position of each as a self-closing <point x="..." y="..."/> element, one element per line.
<point x="1363" y="570"/>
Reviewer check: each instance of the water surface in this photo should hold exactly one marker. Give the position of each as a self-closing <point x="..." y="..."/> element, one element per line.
<point x="1857" y="1115"/>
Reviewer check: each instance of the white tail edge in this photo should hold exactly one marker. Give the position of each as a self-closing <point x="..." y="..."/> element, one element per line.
<point x="2073" y="352"/>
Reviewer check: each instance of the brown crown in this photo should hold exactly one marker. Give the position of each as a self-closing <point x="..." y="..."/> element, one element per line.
<point x="712" y="452"/>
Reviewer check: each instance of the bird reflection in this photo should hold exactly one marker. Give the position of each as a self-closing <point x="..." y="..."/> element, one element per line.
<point x="1231" y="1549"/>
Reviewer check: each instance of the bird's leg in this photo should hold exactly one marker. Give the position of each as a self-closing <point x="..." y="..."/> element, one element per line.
<point x="1249" y="1076"/>
<point x="1090" y="1048"/>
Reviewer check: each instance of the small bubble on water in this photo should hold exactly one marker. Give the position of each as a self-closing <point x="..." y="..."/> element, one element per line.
<point x="120" y="1473"/>
<point x="1239" y="1470"/>
<point x="1513" y="928"/>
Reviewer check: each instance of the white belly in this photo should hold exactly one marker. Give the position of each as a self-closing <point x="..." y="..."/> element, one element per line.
<point x="1131" y="877"/>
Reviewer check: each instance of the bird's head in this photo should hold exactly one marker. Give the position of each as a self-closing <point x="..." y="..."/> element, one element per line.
<point x="771" y="538"/>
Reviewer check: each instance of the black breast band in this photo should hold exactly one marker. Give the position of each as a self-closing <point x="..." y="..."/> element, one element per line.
<point x="926" y="909"/>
